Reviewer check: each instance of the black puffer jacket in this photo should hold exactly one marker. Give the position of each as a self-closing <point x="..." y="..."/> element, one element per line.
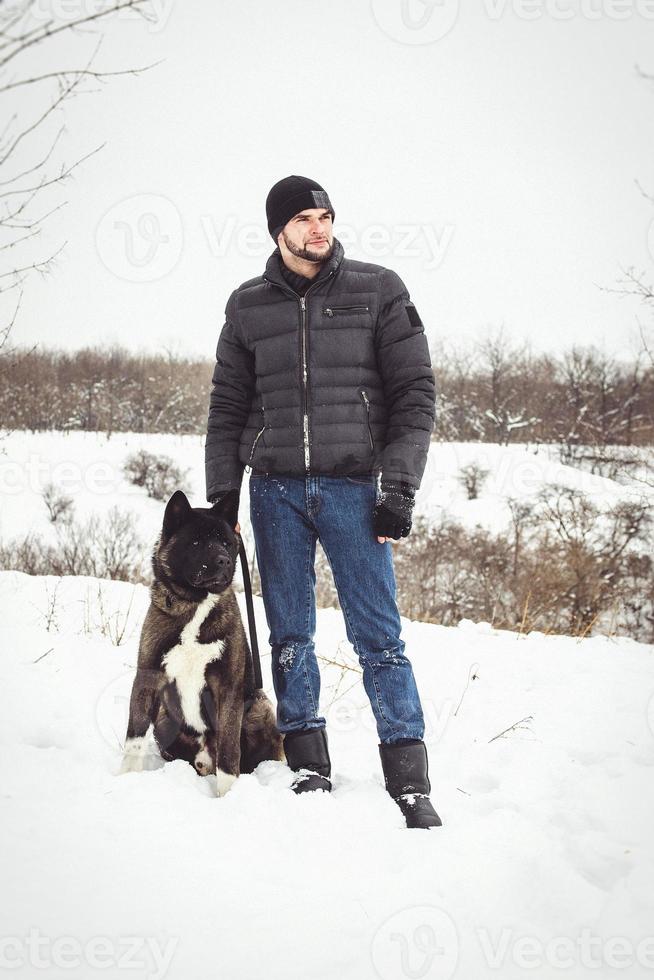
<point x="338" y="382"/>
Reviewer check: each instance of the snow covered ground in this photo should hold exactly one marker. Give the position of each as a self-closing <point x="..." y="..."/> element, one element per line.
<point x="543" y="868"/>
<point x="89" y="467"/>
<point x="541" y="760"/>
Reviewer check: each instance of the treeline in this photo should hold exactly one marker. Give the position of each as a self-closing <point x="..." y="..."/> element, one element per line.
<point x="563" y="565"/>
<point x="494" y="391"/>
<point x="103" y="390"/>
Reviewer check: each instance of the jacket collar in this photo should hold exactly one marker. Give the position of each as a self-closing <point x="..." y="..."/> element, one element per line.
<point x="274" y="274"/>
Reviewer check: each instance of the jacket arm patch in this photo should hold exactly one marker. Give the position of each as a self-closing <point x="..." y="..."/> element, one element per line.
<point x="413" y="315"/>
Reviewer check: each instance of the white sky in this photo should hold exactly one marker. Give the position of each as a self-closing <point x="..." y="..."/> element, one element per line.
<point x="507" y="150"/>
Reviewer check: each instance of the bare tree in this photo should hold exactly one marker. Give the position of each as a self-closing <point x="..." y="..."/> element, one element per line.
<point x="30" y="165"/>
<point x="506" y="367"/>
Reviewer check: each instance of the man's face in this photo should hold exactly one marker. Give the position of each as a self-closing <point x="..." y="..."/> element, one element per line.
<point x="309" y="235"/>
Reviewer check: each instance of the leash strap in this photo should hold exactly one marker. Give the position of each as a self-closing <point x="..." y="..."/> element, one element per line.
<point x="254" y="646"/>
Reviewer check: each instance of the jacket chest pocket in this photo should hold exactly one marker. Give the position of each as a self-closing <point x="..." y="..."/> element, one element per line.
<point x="336" y="311"/>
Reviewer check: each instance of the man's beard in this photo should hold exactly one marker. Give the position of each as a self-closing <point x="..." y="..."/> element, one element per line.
<point x="307" y="253"/>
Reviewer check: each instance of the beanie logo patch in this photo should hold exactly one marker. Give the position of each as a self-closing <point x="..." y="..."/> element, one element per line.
<point x="320" y="199"/>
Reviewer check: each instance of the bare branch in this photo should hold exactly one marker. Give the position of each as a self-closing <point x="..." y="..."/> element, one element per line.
<point x="517" y="725"/>
<point x="6" y="330"/>
<point x="36" y="166"/>
<point x="54" y="180"/>
<point x="41" y="266"/>
<point x="6" y="223"/>
<point x="30" y="129"/>
<point x="79" y="71"/>
<point x="17" y="241"/>
<point x="42" y="33"/>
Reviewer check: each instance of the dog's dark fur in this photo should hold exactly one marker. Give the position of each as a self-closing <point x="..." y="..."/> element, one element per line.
<point x="195" y="686"/>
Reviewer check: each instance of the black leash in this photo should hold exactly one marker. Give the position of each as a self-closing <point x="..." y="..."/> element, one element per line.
<point x="254" y="646"/>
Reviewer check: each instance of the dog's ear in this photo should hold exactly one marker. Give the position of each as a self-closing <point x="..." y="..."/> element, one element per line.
<point x="227" y="507"/>
<point x="178" y="511"/>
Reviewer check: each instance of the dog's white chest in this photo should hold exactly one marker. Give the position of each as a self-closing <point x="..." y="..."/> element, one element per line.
<point x="187" y="662"/>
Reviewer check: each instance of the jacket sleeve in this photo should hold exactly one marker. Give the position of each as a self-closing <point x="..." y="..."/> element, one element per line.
<point x="232" y="389"/>
<point x="404" y="363"/>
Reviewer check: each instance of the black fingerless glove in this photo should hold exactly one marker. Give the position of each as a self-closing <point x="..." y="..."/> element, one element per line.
<point x="392" y="514"/>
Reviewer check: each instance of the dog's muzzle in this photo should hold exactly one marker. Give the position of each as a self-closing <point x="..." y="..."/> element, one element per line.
<point x="219" y="574"/>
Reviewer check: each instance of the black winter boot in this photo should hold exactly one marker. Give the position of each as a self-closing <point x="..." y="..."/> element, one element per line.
<point x="307" y="754"/>
<point x="406" y="776"/>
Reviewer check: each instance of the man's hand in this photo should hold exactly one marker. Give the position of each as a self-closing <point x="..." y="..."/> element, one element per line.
<point x="392" y="514"/>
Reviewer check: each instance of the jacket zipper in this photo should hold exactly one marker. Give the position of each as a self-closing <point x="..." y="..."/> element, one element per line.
<point x="305" y="412"/>
<point x="256" y="440"/>
<point x="335" y="310"/>
<point x="303" y="351"/>
<point x="366" y="402"/>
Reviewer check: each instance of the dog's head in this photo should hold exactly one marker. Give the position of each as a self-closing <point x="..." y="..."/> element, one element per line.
<point x="198" y="545"/>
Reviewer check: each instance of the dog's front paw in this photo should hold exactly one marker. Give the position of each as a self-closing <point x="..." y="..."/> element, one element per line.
<point x="223" y="782"/>
<point x="203" y="763"/>
<point x="139" y="756"/>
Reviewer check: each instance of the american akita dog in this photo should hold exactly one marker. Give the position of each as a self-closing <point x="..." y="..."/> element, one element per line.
<point x="194" y="687"/>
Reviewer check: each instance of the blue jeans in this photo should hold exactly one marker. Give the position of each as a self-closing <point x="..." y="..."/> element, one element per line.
<point x="288" y="516"/>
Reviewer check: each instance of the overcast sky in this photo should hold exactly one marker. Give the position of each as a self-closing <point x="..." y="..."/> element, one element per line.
<point x="488" y="154"/>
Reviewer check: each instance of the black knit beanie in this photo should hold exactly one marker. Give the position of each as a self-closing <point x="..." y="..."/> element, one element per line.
<point x="290" y="196"/>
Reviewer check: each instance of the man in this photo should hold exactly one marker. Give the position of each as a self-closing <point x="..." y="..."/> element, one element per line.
<point x="323" y="389"/>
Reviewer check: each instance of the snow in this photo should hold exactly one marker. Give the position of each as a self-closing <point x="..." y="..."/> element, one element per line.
<point x="544" y="865"/>
<point x="89" y="467"/>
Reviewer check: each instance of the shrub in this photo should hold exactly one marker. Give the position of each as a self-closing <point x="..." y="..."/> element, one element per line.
<point x="472" y="478"/>
<point x="158" y="474"/>
<point x="60" y="507"/>
<point x="101" y="547"/>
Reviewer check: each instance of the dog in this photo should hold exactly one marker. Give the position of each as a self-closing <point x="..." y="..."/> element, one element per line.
<point x="194" y="686"/>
